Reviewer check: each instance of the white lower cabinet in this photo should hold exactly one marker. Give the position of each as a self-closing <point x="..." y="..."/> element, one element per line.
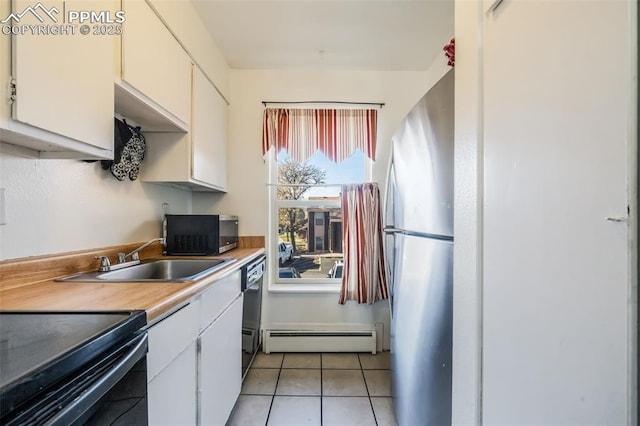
<point x="220" y="366"/>
<point x="172" y="393"/>
<point x="172" y="368"/>
<point x="194" y="370"/>
<point x="171" y="336"/>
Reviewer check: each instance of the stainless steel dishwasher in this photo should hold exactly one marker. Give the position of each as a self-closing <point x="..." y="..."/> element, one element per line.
<point x="252" y="278"/>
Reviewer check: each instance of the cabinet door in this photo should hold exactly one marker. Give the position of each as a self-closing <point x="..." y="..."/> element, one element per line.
<point x="172" y="393"/>
<point x="153" y="62"/>
<point x="208" y="133"/>
<point x="65" y="81"/>
<point x="220" y="366"/>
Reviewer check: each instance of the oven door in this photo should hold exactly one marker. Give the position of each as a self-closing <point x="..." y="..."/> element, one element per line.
<point x="112" y="387"/>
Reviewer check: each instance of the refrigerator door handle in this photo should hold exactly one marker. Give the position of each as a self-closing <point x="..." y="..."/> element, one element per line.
<point x="392" y="230"/>
<point x="389" y="269"/>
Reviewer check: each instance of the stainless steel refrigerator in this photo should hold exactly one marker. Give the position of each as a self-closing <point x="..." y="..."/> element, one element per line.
<point x="419" y="250"/>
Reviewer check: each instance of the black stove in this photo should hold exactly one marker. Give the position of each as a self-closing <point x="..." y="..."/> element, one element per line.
<point x="44" y="352"/>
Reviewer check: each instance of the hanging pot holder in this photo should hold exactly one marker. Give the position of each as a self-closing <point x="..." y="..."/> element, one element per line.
<point x="129" y="149"/>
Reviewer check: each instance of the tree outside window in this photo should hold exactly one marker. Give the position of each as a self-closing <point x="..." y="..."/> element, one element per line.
<point x="292" y="173"/>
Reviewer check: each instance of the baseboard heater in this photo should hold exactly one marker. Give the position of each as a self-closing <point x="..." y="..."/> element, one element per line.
<point x="319" y="341"/>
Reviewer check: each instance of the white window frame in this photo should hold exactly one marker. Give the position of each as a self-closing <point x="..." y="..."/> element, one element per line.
<point x="295" y="285"/>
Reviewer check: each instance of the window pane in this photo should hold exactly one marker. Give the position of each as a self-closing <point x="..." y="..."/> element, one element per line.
<point x="317" y="170"/>
<point x="310" y="226"/>
<point x="309" y="251"/>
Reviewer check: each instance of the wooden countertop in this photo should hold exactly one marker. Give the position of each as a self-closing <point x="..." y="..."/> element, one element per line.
<point x="157" y="299"/>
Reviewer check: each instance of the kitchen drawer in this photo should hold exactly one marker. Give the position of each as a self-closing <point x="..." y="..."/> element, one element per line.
<point x="218" y="297"/>
<point x="170" y="336"/>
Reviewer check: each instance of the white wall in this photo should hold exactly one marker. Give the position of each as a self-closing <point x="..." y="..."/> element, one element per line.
<point x="55" y="206"/>
<point x="247" y="196"/>
<point x="467" y="261"/>
<point x="546" y="125"/>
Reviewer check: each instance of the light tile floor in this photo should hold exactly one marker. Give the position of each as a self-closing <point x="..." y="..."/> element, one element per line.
<point x="316" y="389"/>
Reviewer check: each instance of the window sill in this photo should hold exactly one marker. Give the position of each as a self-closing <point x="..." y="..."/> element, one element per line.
<point x="312" y="288"/>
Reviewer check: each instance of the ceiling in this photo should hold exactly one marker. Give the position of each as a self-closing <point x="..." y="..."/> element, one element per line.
<point x="342" y="34"/>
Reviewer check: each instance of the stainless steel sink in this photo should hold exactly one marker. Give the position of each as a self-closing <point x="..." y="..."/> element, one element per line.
<point x="155" y="271"/>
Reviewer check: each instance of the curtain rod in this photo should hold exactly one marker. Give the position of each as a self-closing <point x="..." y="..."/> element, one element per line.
<point x="379" y="104"/>
<point x="307" y="185"/>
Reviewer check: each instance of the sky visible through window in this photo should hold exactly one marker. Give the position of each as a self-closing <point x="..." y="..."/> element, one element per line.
<point x="350" y="170"/>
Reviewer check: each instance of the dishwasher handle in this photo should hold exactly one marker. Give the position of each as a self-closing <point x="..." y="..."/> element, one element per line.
<point x="253" y="279"/>
<point x="252" y="274"/>
<point x="255" y="285"/>
<point x="255" y="275"/>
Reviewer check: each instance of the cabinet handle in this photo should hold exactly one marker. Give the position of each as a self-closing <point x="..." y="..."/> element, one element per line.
<point x="494" y="6"/>
<point x="616" y="219"/>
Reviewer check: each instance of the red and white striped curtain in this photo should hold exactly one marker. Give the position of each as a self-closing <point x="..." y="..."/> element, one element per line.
<point x="337" y="133"/>
<point x="363" y="278"/>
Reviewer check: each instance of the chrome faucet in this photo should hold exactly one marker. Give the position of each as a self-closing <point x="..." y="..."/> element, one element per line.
<point x="134" y="254"/>
<point x="106" y="266"/>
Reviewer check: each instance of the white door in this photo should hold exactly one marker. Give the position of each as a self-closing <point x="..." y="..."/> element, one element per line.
<point x="557" y="96"/>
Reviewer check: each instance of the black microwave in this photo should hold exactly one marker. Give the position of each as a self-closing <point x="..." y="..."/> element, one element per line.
<point x="200" y="234"/>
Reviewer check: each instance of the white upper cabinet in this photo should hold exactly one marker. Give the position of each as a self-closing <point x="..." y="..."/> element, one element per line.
<point x="197" y="160"/>
<point x="209" y="133"/>
<point x="156" y="73"/>
<point x="63" y="105"/>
